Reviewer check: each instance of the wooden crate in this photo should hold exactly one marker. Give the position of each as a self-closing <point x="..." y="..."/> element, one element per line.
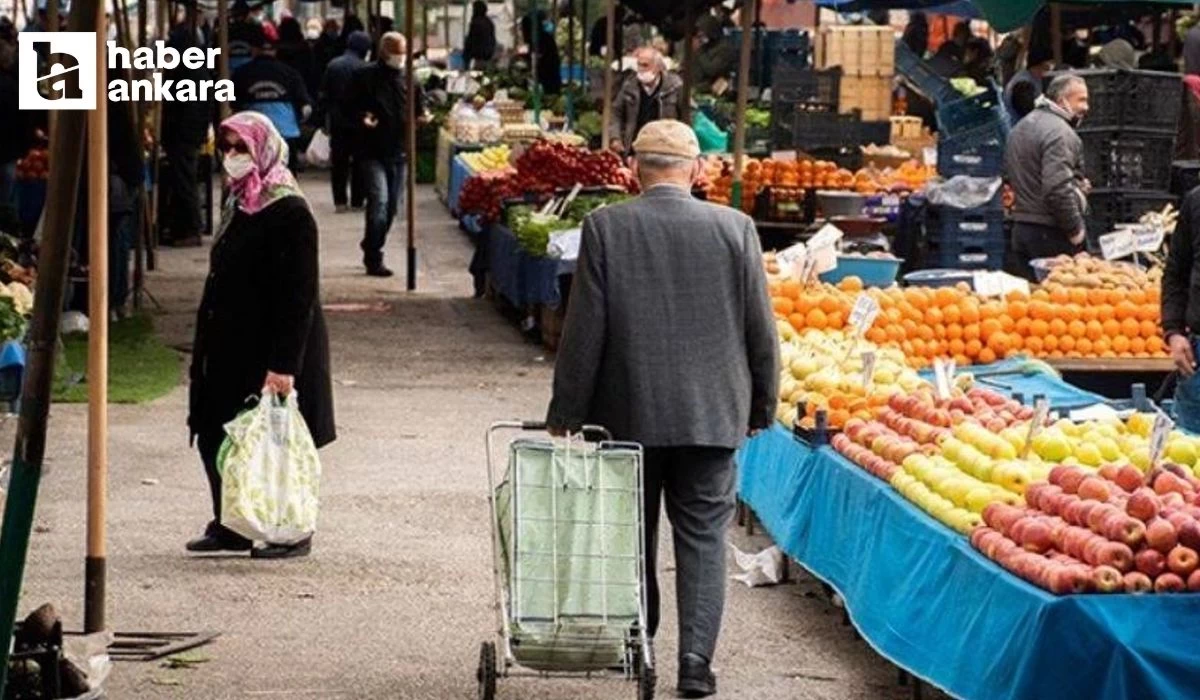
<point x="862" y="51"/>
<point x="870" y="94"/>
<point x="906" y="128"/>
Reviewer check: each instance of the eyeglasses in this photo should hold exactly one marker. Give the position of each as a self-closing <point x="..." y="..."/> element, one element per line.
<point x="239" y="147"/>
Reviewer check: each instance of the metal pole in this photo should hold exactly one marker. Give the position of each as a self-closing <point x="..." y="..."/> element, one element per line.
<point x="223" y="57"/>
<point x="97" y="372"/>
<point x="743" y="87"/>
<point x="30" y="444"/>
<point x="606" y="115"/>
<point x="411" y="148"/>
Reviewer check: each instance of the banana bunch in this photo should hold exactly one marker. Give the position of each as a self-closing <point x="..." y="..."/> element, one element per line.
<point x="489" y="159"/>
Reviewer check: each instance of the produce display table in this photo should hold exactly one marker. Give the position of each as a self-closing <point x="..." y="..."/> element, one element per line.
<point x="1112" y="377"/>
<point x="459" y="172"/>
<point x="447" y="149"/>
<point x="928" y="602"/>
<point x="523" y="280"/>
<point x="1011" y="377"/>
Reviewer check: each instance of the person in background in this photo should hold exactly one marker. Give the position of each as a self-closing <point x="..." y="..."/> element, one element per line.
<point x="350" y="24"/>
<point x="651" y="94"/>
<point x="916" y="34"/>
<point x="16" y="129"/>
<point x="955" y="49"/>
<point x="1007" y="55"/>
<point x="341" y="122"/>
<point x="378" y="103"/>
<point x="1025" y="87"/>
<point x="1043" y="163"/>
<point x="1191" y="50"/>
<point x="1181" y="311"/>
<point x="243" y="31"/>
<point x="293" y="50"/>
<point x="1118" y="54"/>
<point x="688" y="386"/>
<point x="325" y="45"/>
<point x="270" y="86"/>
<point x="549" y="64"/>
<point x="312" y="30"/>
<point x="259" y="327"/>
<point x="479" y="48"/>
<point x="625" y="37"/>
<point x="979" y="61"/>
<point x="714" y="57"/>
<point x="184" y="129"/>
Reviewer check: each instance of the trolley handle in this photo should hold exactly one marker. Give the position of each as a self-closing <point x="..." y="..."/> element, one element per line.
<point x="591" y="433"/>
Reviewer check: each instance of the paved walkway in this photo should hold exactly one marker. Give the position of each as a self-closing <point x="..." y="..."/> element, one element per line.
<point x="398" y="593"/>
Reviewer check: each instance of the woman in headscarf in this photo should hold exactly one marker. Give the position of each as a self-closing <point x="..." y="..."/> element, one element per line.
<point x="259" y="328"/>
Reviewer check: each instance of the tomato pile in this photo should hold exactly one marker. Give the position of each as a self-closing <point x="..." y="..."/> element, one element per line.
<point x="35" y="165"/>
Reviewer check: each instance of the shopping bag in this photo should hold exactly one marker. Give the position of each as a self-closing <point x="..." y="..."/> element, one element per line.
<point x="270" y="473"/>
<point x="317" y="154"/>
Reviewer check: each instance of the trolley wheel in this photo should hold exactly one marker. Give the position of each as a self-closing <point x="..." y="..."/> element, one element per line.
<point x="647" y="679"/>
<point x="486" y="673"/>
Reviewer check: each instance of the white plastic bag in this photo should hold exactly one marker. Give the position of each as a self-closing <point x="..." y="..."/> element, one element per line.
<point x="762" y="569"/>
<point x="317" y="154"/>
<point x="270" y="473"/>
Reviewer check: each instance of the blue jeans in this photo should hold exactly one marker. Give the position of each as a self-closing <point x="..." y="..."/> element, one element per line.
<point x="384" y="183"/>
<point x="1187" y="399"/>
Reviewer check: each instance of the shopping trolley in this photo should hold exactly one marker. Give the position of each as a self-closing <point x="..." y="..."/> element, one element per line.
<point x="568" y="529"/>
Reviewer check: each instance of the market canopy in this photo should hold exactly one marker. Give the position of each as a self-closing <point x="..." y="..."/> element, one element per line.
<point x="958" y="8"/>
<point x="1007" y="15"/>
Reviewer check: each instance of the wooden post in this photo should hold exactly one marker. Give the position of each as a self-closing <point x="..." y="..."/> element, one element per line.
<point x="535" y="33"/>
<point x="689" y="53"/>
<point x="446" y="21"/>
<point x="424" y="26"/>
<point x="606" y="115"/>
<point x="30" y="444"/>
<point x="143" y="20"/>
<point x="410" y="189"/>
<point x="743" y="87"/>
<point x="51" y="17"/>
<point x="1056" y="33"/>
<point x="583" y="51"/>
<point x="223" y="57"/>
<point x="97" y="366"/>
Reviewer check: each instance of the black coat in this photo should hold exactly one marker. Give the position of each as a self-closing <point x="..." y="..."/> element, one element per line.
<point x="261" y="311"/>
<point x="381" y="90"/>
<point x="480" y="44"/>
<point x="186" y="122"/>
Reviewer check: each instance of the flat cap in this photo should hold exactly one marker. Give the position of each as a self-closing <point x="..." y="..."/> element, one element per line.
<point x="667" y="137"/>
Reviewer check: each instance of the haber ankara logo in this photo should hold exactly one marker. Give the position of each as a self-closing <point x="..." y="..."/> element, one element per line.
<point x="57" y="70"/>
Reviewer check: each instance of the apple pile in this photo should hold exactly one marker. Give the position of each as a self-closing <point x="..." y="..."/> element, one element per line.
<point x="1115" y="530"/>
<point x="35" y="165"/>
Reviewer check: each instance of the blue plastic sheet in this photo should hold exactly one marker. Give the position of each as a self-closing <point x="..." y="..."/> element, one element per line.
<point x="12" y="354"/>
<point x="1009" y="377"/>
<point x="928" y="602"/>
<point x="519" y="277"/>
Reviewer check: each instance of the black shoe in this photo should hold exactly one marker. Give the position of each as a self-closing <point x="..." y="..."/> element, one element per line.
<point x="282" y="551"/>
<point x="218" y="543"/>
<point x="696" y="679"/>
<point x="379" y="271"/>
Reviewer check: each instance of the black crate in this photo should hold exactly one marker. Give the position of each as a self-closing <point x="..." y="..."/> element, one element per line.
<point x="801" y="86"/>
<point x="1127" y="159"/>
<point x="1133" y="99"/>
<point x="878" y="133"/>
<point x="1107" y="208"/>
<point x="966" y="253"/>
<point x="768" y="50"/>
<point x="918" y="73"/>
<point x="986" y="109"/>
<point x="811" y="130"/>
<point x="976" y="153"/>
<point x="1185" y="177"/>
<point x="947" y="224"/>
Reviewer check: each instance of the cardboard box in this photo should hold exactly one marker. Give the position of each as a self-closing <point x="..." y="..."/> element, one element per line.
<point x="861" y="51"/>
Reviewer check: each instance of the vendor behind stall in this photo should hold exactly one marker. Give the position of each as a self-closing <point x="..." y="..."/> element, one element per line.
<point x="651" y="94"/>
<point x="1043" y="162"/>
<point x="714" y="57"/>
<point x="1181" y="312"/>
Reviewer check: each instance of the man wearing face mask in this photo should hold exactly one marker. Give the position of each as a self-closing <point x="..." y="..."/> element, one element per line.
<point x="1043" y="162"/>
<point x="649" y="95"/>
<point x="378" y="99"/>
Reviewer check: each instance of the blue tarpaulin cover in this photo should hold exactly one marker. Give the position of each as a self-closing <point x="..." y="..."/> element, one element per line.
<point x="519" y="277"/>
<point x="1013" y="376"/>
<point x="928" y="602"/>
<point x="12" y="354"/>
<point x="459" y="172"/>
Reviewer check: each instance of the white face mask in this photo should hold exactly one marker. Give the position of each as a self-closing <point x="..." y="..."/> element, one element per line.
<point x="647" y="77"/>
<point x="238" y="166"/>
<point x="312" y="34"/>
<point x="396" y="62"/>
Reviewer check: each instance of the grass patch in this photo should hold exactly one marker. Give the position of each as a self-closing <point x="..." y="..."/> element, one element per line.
<point x="140" y="367"/>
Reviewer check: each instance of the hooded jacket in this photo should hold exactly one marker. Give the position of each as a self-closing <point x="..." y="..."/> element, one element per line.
<point x="669" y="95"/>
<point x="1043" y="162"/>
<point x="335" y="84"/>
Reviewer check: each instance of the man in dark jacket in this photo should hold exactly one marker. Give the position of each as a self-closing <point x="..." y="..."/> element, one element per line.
<point x="275" y="89"/>
<point x="185" y="126"/>
<point x="670" y="342"/>
<point x="379" y="103"/>
<point x="715" y="57"/>
<point x="341" y="122"/>
<point x="1043" y="162"/>
<point x="1181" y="311"/>
<point x="649" y="95"/>
<point x="480" y="45"/>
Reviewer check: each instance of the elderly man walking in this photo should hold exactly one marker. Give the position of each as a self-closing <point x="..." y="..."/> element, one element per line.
<point x="670" y="342"/>
<point x="1043" y="162"/>
<point x="651" y="94"/>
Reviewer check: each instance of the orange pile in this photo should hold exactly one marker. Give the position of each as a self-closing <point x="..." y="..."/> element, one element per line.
<point x="951" y="322"/>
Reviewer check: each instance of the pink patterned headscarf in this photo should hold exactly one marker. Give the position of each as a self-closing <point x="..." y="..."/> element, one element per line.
<point x="271" y="180"/>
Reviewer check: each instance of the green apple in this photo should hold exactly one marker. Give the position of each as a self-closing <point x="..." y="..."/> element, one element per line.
<point x="1181" y="451"/>
<point x="1110" y="451"/>
<point x="1012" y="476"/>
<point x="1088" y="453"/>
<point x="1052" y="446"/>
<point x="979" y="497"/>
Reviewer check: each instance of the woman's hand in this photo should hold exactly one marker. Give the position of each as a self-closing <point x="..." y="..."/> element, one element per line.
<point x="279" y="384"/>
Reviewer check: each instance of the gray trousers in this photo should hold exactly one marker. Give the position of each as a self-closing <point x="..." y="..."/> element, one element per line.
<point x="698" y="486"/>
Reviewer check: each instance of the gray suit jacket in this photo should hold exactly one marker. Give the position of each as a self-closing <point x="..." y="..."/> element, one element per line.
<point x="669" y="339"/>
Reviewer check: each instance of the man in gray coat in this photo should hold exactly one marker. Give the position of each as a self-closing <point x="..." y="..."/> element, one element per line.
<point x="670" y="341"/>
<point x="651" y="94"/>
<point x="1043" y="162"/>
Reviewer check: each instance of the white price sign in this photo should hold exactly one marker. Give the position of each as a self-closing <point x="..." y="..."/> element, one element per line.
<point x="943" y="377"/>
<point x="1041" y="409"/>
<point x="997" y="284"/>
<point x="863" y="314"/>
<point x="1158" y="436"/>
<point x="1147" y="239"/>
<point x="1119" y="244"/>
<point x="868" y="371"/>
<point x="791" y="261"/>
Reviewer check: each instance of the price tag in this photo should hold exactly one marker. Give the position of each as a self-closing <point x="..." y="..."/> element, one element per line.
<point x="808" y="269"/>
<point x="1119" y="244"/>
<point x="941" y="380"/>
<point x="791" y="261"/>
<point x="1147" y="239"/>
<point x="827" y="237"/>
<point x="868" y="371"/>
<point x="1041" y="409"/>
<point x="783" y="156"/>
<point x="1158" y="436"/>
<point x="985" y="283"/>
<point x="863" y="314"/>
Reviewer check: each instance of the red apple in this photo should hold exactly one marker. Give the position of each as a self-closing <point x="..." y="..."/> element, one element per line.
<point x="1150" y="562"/>
<point x="1182" y="474"/>
<point x="1056" y="474"/>
<point x="1099" y="515"/>
<point x="1071" y="479"/>
<point x="1193" y="581"/>
<point x="1137" y="582"/>
<point x="1144" y="504"/>
<point x="1161" y="535"/>
<point x="1189" y="534"/>
<point x="1048" y="498"/>
<point x="1167" y="482"/>
<point x="1173" y="501"/>
<point x="1122" y="528"/>
<point x="1117" y="555"/>
<point x="1177" y="518"/>
<point x="1107" y="580"/>
<point x="1091" y="551"/>
<point x="1094" y="488"/>
<point x="1109" y="472"/>
<point x="1074" y="512"/>
<point x="1169" y="583"/>
<point x="1129" y="478"/>
<point x="1036" y="537"/>
<point x="1183" y="561"/>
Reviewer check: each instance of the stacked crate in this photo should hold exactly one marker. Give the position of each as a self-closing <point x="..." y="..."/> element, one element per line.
<point x="963" y="239"/>
<point x="867" y="58"/>
<point x="1128" y="144"/>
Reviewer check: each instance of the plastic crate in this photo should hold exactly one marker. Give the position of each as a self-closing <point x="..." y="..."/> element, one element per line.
<point x="1127" y="159"/>
<point x="1133" y="99"/>
<point x="976" y="153"/>
<point x="1107" y="208"/>
<point x="873" y="132"/>
<point x="770" y="49"/>
<point x="970" y="113"/>
<point x="947" y="224"/>
<point x="1185" y="177"/>
<point x="920" y="75"/>
<point x="815" y="130"/>
<point x="806" y="87"/>
<point x="966" y="253"/>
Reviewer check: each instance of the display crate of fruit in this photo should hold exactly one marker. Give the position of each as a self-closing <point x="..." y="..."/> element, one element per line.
<point x="868" y="94"/>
